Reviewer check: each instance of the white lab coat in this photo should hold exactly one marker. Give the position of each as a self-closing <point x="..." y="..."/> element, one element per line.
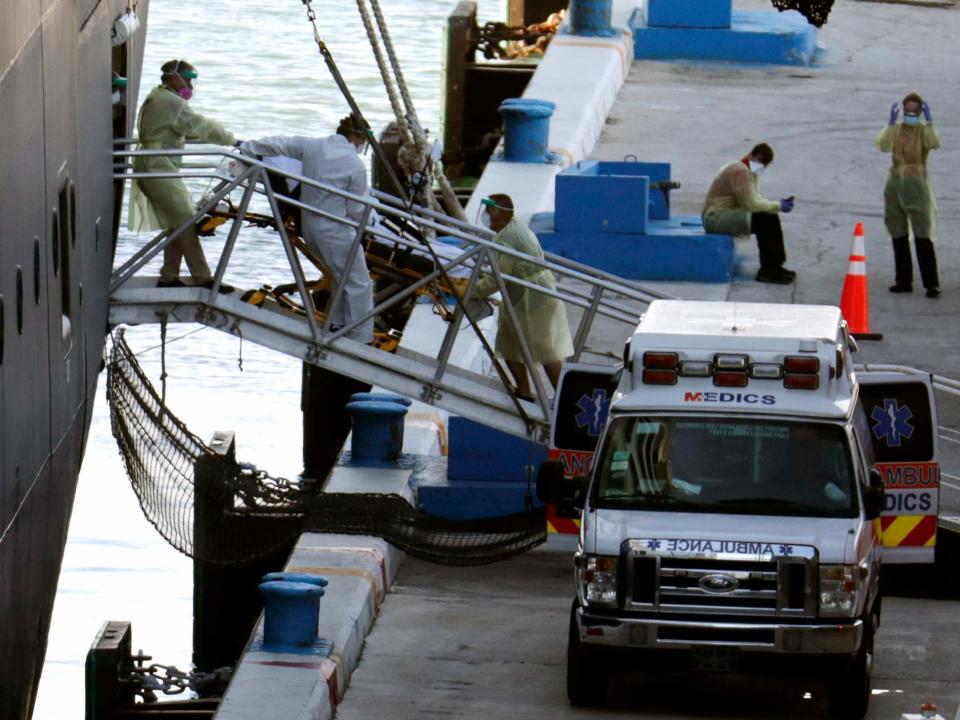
<point x="334" y="161"/>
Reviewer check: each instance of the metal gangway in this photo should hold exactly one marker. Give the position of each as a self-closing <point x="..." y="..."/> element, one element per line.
<point x="310" y="337"/>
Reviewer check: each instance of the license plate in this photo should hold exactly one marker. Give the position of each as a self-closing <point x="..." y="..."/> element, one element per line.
<point x="715" y="659"/>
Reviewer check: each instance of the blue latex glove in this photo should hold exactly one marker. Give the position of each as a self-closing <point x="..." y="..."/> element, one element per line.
<point x="894" y="113"/>
<point x="786" y="205"/>
<point x="238" y="143"/>
<point x="925" y="107"/>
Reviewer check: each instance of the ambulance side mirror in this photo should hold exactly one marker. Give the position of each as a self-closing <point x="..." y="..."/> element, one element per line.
<point x="554" y="488"/>
<point x="549" y="481"/>
<point x="873" y="495"/>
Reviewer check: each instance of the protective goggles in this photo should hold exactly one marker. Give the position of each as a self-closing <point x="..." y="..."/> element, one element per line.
<point x="189" y="76"/>
<point x="490" y="202"/>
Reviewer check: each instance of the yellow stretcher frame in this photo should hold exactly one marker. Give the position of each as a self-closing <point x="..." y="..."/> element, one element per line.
<point x="381" y="265"/>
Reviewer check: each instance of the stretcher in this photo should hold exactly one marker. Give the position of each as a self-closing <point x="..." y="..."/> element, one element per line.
<point x="392" y="266"/>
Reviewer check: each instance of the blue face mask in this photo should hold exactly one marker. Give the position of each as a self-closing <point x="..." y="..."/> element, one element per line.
<point x="911" y="119"/>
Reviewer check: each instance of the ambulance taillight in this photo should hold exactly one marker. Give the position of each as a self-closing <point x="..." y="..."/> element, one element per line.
<point x="660" y="368"/>
<point x="801" y="373"/>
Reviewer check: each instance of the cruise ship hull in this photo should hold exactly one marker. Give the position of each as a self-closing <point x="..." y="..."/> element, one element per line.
<point x="59" y="215"/>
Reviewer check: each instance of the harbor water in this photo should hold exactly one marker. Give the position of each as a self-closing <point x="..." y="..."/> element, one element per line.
<point x="260" y="74"/>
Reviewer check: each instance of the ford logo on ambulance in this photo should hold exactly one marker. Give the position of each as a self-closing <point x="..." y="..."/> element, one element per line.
<point x="717" y="583"/>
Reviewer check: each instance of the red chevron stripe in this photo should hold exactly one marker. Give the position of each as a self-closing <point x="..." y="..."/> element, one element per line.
<point x="924" y="530"/>
<point x="565" y="526"/>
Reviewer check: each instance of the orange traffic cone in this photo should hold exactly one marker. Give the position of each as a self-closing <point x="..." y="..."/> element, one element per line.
<point x="854" y="301"/>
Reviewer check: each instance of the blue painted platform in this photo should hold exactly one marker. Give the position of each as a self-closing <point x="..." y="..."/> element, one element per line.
<point x="605" y="197"/>
<point x="674" y="249"/>
<point x="486" y="474"/>
<point x="688" y="13"/>
<point x="760" y="37"/>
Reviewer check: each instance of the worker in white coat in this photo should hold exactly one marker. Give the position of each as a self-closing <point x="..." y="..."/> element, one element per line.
<point x="333" y="161"/>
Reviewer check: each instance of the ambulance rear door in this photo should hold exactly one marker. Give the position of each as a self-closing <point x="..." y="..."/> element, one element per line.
<point x="580" y="411"/>
<point x="901" y="412"/>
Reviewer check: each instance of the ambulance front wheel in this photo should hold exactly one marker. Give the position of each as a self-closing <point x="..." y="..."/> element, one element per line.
<point x="586" y="674"/>
<point x="848" y="692"/>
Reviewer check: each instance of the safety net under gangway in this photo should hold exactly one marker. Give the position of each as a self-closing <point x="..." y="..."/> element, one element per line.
<point x="205" y="504"/>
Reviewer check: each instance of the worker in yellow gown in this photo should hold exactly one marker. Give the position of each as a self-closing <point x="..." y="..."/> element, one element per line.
<point x="908" y="199"/>
<point x="542" y="318"/>
<point x="166" y="121"/>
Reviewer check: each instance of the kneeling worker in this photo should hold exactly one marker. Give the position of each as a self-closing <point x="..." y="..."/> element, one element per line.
<point x="541" y="318"/>
<point x="734" y="206"/>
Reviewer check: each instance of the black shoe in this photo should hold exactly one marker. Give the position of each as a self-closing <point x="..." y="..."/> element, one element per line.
<point x="778" y="276"/>
<point x="176" y="282"/>
<point x="933" y="292"/>
<point x="786" y="271"/>
<point x="224" y="288"/>
<point x="901" y="288"/>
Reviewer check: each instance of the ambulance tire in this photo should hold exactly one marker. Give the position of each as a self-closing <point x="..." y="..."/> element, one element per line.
<point x="848" y="693"/>
<point x="586" y="675"/>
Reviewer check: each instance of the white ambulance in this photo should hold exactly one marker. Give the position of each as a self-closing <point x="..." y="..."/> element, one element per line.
<point x="731" y="520"/>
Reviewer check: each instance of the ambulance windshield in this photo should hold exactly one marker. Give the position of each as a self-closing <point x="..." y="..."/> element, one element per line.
<point x="756" y="467"/>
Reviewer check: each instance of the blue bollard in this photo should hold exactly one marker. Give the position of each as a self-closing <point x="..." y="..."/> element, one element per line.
<point x="526" y="129"/>
<point x="290" y="613"/>
<point x="377" y="435"/>
<point x="295" y="577"/>
<point x="382" y="397"/>
<point x="590" y="18"/>
<point x="317" y="580"/>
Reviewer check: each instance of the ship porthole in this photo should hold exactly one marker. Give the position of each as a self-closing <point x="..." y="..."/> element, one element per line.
<point x="19" y="300"/>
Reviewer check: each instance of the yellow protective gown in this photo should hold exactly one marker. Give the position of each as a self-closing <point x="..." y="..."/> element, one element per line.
<point x="907" y="197"/>
<point x="542" y="318"/>
<point x="733" y="196"/>
<point x="166" y="121"/>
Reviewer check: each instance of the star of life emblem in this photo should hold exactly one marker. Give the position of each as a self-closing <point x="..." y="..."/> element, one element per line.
<point x="892" y="422"/>
<point x="593" y="411"/>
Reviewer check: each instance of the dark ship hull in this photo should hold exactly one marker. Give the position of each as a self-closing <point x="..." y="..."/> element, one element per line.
<point x="59" y="215"/>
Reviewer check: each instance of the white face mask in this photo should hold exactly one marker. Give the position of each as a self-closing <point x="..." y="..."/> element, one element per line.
<point x="485" y="219"/>
<point x="757" y="168"/>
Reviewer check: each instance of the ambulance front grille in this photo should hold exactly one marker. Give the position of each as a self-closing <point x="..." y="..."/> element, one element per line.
<point x="673" y="584"/>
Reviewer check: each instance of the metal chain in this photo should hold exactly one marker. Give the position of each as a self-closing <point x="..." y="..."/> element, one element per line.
<point x="149" y="680"/>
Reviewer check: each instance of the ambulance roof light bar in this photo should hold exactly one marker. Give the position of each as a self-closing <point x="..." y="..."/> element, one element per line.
<point x="730" y="362"/>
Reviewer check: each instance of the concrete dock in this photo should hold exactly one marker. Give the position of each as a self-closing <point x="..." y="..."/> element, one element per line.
<point x="490" y="642"/>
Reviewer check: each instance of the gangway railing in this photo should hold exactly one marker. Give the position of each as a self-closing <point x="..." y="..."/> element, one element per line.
<point x="597" y="296"/>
